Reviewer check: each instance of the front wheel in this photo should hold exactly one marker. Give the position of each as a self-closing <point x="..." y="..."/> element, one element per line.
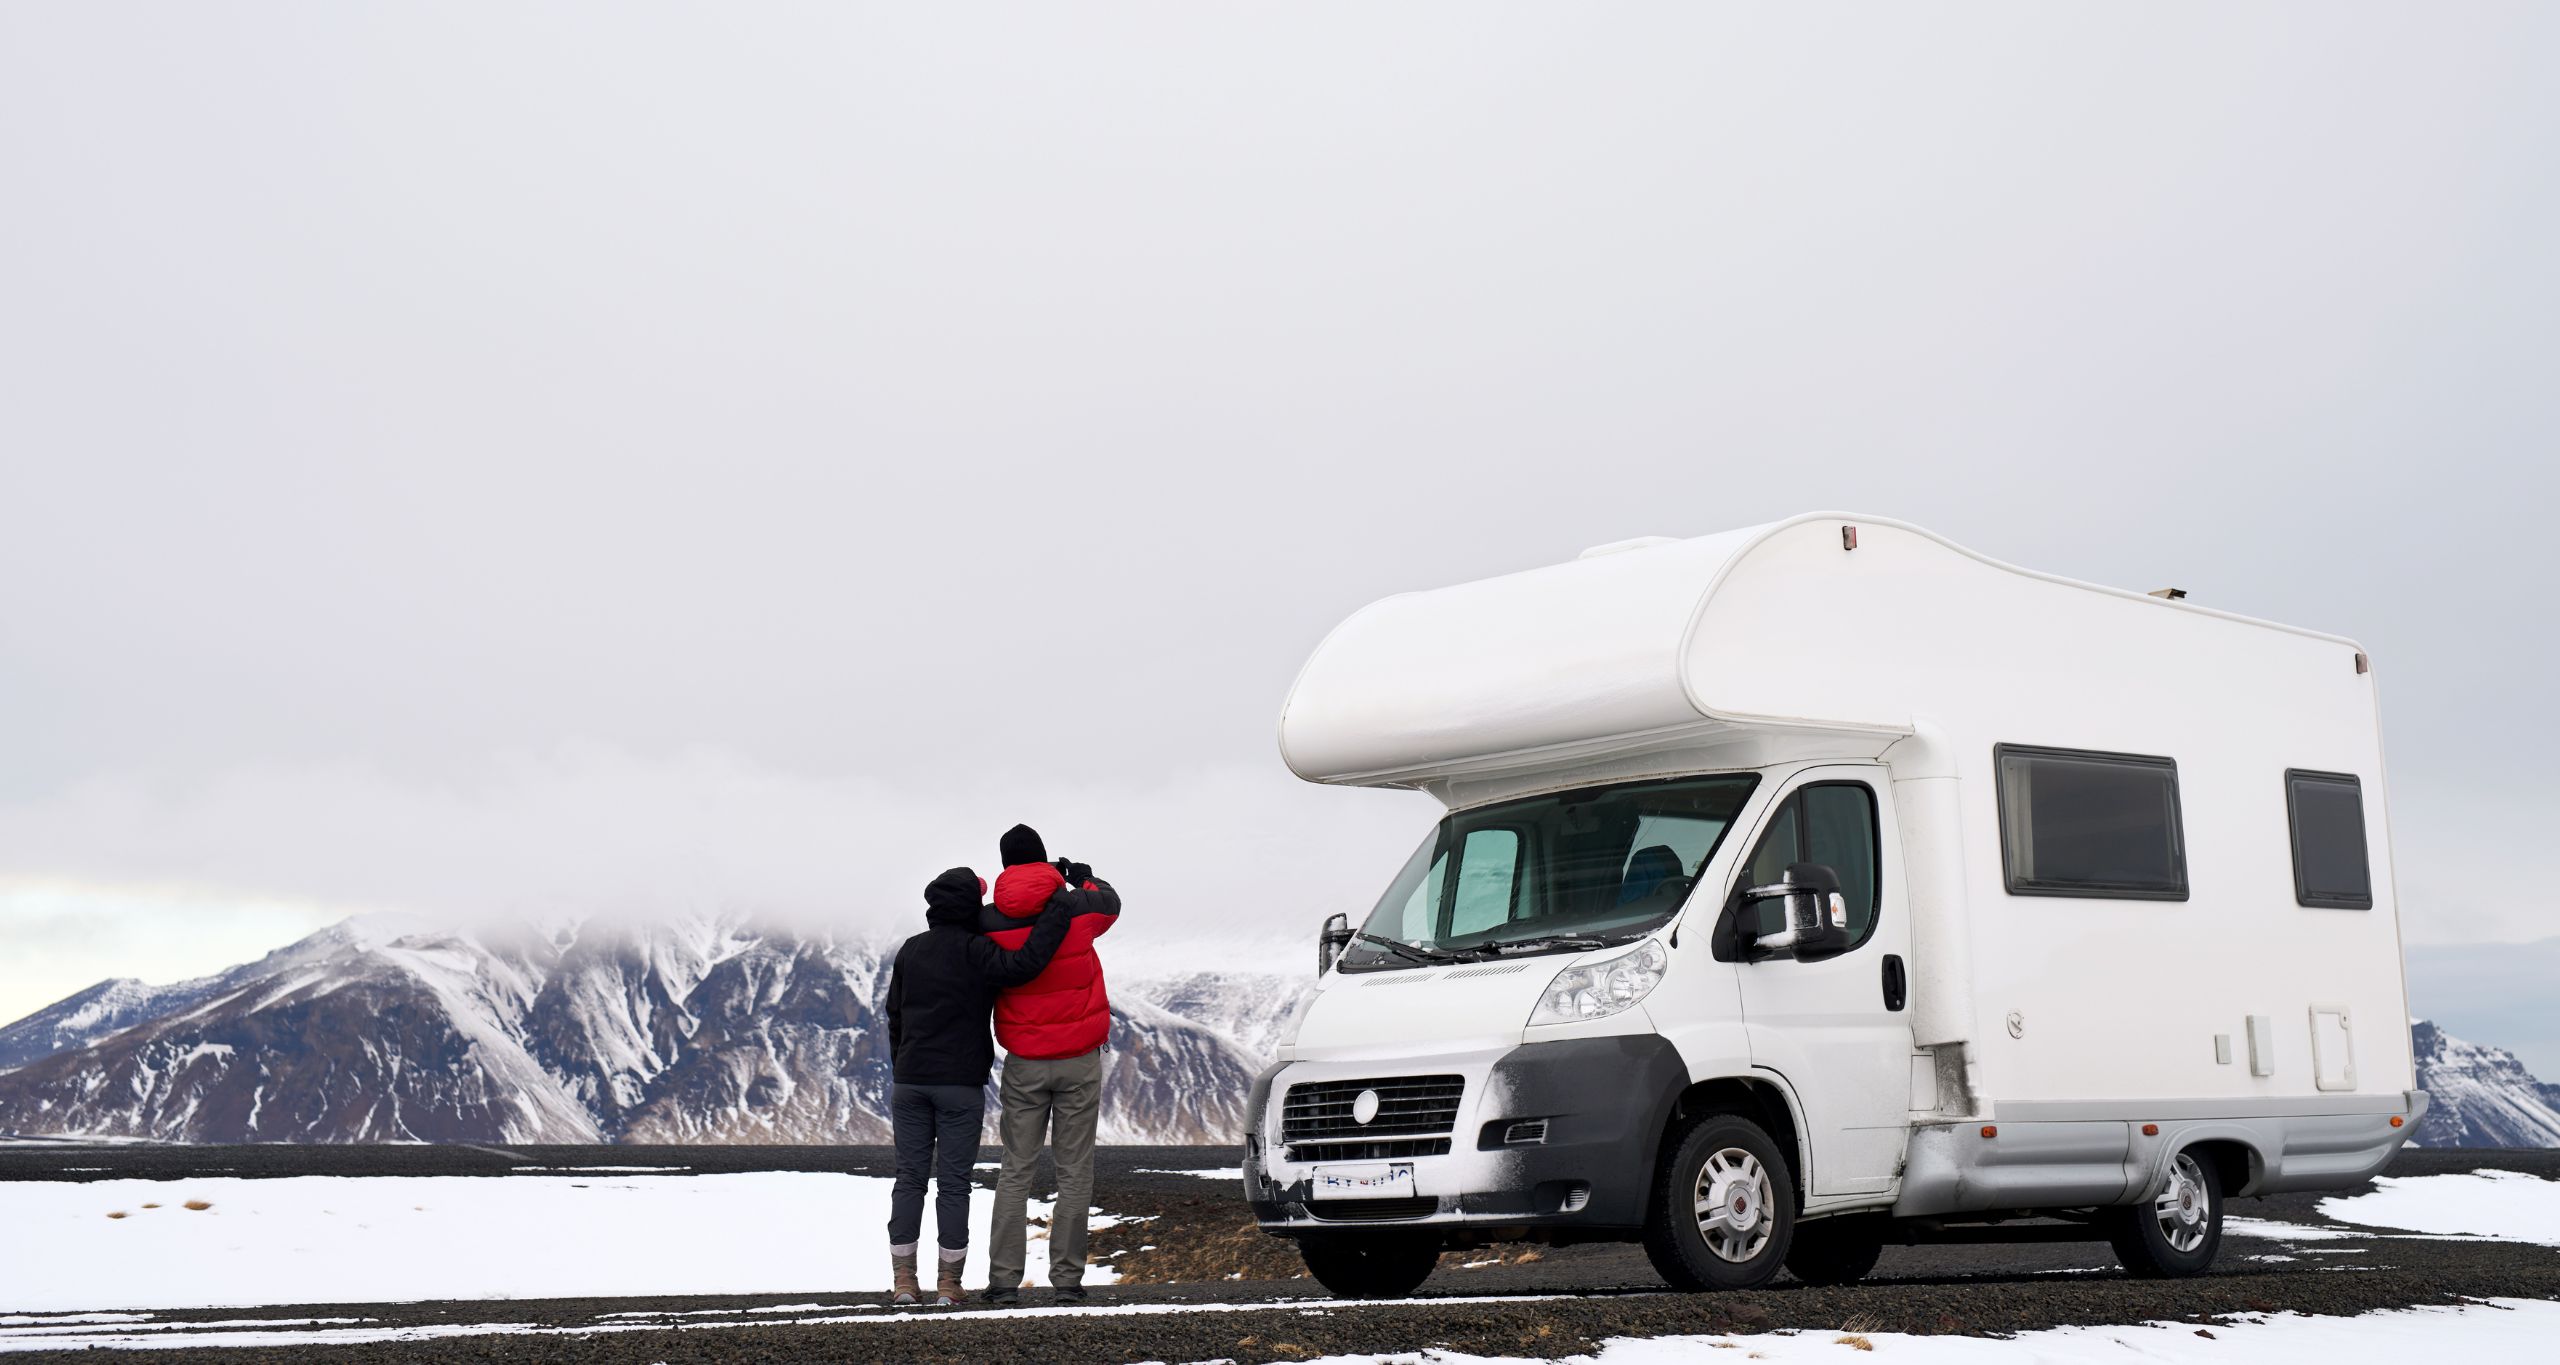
<point x="1723" y="1210"/>
<point x="1381" y="1265"/>
<point x="2176" y="1234"/>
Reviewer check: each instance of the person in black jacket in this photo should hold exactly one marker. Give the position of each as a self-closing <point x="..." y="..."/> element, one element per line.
<point x="942" y="993"/>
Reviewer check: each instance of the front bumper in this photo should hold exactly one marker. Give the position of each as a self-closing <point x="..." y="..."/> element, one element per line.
<point x="1604" y="1102"/>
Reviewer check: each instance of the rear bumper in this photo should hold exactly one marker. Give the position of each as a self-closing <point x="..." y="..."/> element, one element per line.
<point x="1603" y="1103"/>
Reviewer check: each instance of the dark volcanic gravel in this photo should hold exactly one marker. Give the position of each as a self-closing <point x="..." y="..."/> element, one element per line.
<point x="1198" y="1228"/>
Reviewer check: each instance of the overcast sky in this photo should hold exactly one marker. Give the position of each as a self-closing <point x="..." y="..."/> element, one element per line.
<point x="527" y="458"/>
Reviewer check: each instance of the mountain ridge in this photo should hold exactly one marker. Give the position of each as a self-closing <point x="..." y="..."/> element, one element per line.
<point x="698" y="1030"/>
<point x="704" y="1030"/>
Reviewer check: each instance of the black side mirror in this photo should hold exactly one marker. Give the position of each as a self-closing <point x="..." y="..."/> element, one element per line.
<point x="1815" y="921"/>
<point x="1330" y="941"/>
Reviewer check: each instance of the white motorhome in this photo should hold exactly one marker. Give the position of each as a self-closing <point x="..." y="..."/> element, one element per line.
<point x="1822" y="884"/>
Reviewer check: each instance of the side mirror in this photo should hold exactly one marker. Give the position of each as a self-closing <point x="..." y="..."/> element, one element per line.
<point x="1331" y="940"/>
<point x="1815" y="920"/>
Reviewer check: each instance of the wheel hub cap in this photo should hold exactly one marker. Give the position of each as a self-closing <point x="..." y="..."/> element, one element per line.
<point x="1733" y="1205"/>
<point x="2185" y="1209"/>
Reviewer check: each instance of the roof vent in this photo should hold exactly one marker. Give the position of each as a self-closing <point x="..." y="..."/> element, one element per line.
<point x="2170" y="594"/>
<point x="1619" y="547"/>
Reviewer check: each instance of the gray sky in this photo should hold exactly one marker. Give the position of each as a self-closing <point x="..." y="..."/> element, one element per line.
<point x="555" y="457"/>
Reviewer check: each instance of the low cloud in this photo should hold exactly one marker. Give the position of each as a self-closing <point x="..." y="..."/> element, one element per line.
<point x="1221" y="867"/>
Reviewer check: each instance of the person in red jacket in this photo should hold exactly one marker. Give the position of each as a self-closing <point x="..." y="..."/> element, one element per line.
<point x="1052" y="1028"/>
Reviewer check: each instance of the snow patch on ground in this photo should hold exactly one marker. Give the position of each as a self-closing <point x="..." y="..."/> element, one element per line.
<point x="868" y="1313"/>
<point x="2502" y="1329"/>
<point x="391" y="1239"/>
<point x="2506" y="1205"/>
<point x="1215" y="1173"/>
<point x="2268" y="1229"/>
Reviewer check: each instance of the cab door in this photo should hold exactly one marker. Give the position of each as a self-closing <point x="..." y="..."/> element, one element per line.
<point x="1838" y="1029"/>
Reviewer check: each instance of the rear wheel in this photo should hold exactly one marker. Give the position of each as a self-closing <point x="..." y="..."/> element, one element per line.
<point x="1381" y="1265"/>
<point x="2177" y="1233"/>
<point x="1723" y="1208"/>
<point x="1836" y="1250"/>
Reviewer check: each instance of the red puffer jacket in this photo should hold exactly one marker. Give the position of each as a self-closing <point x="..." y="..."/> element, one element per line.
<point x="1064" y="1011"/>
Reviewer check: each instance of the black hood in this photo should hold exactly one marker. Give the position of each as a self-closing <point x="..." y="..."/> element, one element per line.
<point x="954" y="898"/>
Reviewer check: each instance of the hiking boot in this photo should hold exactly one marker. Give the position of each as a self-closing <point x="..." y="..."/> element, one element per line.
<point x="1069" y="1293"/>
<point x="948" y="1292"/>
<point x="903" y="1290"/>
<point x="1004" y="1298"/>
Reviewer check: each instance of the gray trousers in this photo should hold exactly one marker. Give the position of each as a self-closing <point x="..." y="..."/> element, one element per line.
<point x="1063" y="1100"/>
<point x="936" y="1127"/>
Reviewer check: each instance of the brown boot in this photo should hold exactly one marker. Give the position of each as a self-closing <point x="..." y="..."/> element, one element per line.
<point x="904" y="1291"/>
<point x="948" y="1292"/>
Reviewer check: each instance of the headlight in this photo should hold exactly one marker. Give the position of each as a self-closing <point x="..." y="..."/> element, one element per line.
<point x="1596" y="990"/>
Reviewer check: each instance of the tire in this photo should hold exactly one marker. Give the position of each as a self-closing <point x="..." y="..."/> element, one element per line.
<point x="1836" y="1250"/>
<point x="2177" y="1232"/>
<point x="1726" y="1163"/>
<point x="1379" y="1265"/>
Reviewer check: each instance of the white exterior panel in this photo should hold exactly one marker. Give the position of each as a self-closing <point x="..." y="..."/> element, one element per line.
<point x="2074" y="1018"/>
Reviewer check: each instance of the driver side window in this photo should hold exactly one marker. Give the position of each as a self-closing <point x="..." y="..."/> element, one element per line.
<point x="1832" y="823"/>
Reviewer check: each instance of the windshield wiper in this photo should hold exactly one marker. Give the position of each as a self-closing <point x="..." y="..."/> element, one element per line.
<point x="1582" y="942"/>
<point x="1410" y="952"/>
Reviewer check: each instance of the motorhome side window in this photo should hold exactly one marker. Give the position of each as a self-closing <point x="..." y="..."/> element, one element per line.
<point x="1607" y="863"/>
<point x="2092" y="825"/>
<point x="1831" y="823"/>
<point x="2330" y="870"/>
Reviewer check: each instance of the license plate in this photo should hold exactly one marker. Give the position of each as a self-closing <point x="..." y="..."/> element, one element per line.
<point x="1363" y="1182"/>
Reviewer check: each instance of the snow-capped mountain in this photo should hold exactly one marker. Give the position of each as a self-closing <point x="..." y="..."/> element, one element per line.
<point x="2480" y="1096"/>
<point x="697" y="1031"/>
<point x="710" y="1030"/>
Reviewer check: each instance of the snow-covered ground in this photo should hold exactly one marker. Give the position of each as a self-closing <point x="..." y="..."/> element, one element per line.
<point x="2504" y="1329"/>
<point x="71" y="1276"/>
<point x="2502" y="1204"/>
<point x="388" y="1239"/>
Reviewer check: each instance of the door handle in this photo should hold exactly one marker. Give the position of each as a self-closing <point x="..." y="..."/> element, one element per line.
<point x="1897" y="987"/>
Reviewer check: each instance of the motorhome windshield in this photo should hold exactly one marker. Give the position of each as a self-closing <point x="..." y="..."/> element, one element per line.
<point x="1575" y="869"/>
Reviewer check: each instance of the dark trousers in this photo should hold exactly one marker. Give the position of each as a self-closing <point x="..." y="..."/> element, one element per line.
<point x="936" y="1127"/>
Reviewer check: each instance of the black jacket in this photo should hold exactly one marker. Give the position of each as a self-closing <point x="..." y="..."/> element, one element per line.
<point x="942" y="992"/>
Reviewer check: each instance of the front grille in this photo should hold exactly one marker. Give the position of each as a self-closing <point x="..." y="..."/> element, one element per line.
<point x="1375" y="1149"/>
<point x="1408" y="1107"/>
<point x="1372" y="1210"/>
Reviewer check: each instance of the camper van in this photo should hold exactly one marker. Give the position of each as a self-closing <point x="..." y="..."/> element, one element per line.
<point x="1822" y="885"/>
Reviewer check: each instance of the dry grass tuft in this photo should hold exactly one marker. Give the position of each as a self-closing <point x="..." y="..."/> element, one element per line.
<point x="150" y="1206"/>
<point x="198" y="1205"/>
<point x="1856" y="1342"/>
<point x="117" y="1214"/>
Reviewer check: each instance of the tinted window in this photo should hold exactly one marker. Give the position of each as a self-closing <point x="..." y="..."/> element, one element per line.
<point x="2329" y="866"/>
<point x="1840" y="833"/>
<point x="2090" y="824"/>
<point x="1832" y="823"/>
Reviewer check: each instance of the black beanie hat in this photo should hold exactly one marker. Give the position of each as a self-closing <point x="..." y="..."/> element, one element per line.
<point x="1021" y="844"/>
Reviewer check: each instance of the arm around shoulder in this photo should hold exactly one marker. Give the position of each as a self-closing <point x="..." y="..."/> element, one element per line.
<point x="1012" y="968"/>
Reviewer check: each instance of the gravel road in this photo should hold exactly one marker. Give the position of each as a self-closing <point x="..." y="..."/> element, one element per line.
<point x="1211" y="1288"/>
